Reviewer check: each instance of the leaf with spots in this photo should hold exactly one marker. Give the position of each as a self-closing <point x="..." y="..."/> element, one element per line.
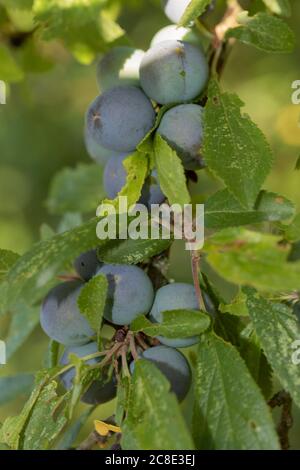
<point x="265" y="32"/>
<point x="252" y="258"/>
<point x="222" y="210"/>
<point x="92" y="301"/>
<point x="154" y="420"/>
<point x="234" y="148"/>
<point x="231" y="411"/>
<point x="170" y="172"/>
<point x="194" y="9"/>
<point x="278" y="330"/>
<point x="175" y="324"/>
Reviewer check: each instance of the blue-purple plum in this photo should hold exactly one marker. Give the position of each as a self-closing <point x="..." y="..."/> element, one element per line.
<point x="177" y="296"/>
<point x="120" y="66"/>
<point x="173" y="72"/>
<point x="177" y="33"/>
<point x="97" y="153"/>
<point x="120" y="118"/>
<point x="173" y="366"/>
<point x="174" y="9"/>
<point x="114" y="179"/>
<point x="130" y="293"/>
<point x="182" y="128"/>
<point x="60" y="316"/>
<point x="99" y="391"/>
<point x="87" y="264"/>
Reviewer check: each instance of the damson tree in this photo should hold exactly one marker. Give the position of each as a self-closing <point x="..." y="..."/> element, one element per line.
<point x="186" y="367"/>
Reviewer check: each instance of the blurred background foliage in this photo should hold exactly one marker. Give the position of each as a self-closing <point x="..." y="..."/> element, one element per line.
<point x="41" y="126"/>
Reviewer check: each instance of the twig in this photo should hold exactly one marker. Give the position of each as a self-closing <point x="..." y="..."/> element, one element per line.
<point x="283" y="399"/>
<point x="141" y="342"/>
<point x="195" y="270"/>
<point x="93" y="439"/>
<point x="133" y="347"/>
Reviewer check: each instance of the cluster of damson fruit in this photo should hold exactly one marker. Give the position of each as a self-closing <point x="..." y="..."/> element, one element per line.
<point x="134" y="85"/>
<point x="130" y="294"/>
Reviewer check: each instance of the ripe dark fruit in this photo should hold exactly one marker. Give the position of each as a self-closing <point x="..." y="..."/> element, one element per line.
<point x="60" y="316"/>
<point x="87" y="264"/>
<point x="130" y="293"/>
<point x="173" y="72"/>
<point x="114" y="179"/>
<point x="182" y="128"/>
<point x="173" y="297"/>
<point x="100" y="391"/>
<point x="120" y="118"/>
<point x="173" y="365"/>
<point x="174" y="9"/>
<point x="120" y="66"/>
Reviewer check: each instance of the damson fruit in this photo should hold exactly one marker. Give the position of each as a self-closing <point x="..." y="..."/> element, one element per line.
<point x="173" y="32"/>
<point x="130" y="293"/>
<point x="174" y="9"/>
<point x="97" y="153"/>
<point x="120" y="118"/>
<point x="173" y="72"/>
<point x="173" y="365"/>
<point x="87" y="264"/>
<point x="60" y="316"/>
<point x="114" y="179"/>
<point x="177" y="296"/>
<point x="100" y="391"/>
<point x="182" y="128"/>
<point x="120" y="66"/>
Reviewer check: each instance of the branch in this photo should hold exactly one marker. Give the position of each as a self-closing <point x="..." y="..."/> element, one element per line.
<point x="283" y="399"/>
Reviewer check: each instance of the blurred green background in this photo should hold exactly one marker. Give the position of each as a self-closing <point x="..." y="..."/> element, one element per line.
<point x="41" y="131"/>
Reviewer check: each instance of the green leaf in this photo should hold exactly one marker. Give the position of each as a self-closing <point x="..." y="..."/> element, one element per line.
<point x="153" y="420"/>
<point x="132" y="251"/>
<point x="194" y="9"/>
<point x="123" y="398"/>
<point x="237" y="307"/>
<point x="251" y="352"/>
<point x="40" y="421"/>
<point x="170" y="170"/>
<point x="279" y="7"/>
<point x="245" y="257"/>
<point x="84" y="26"/>
<point x="18" y="4"/>
<point x="234" y="148"/>
<point x="278" y="330"/>
<point x="30" y="276"/>
<point x="136" y="167"/>
<point x="175" y="324"/>
<point x="222" y="210"/>
<point x="7" y="260"/>
<point x="23" y="322"/>
<point x="9" y="69"/>
<point x="76" y="190"/>
<point x="265" y="32"/>
<point x="71" y="434"/>
<point x="231" y="409"/>
<point x="292" y="231"/>
<point x="92" y="300"/>
<point x="13" y="386"/>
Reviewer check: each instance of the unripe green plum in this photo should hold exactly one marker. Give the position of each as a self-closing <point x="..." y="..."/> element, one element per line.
<point x="173" y="365"/>
<point x="173" y="72"/>
<point x="182" y="128"/>
<point x="120" y="66"/>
